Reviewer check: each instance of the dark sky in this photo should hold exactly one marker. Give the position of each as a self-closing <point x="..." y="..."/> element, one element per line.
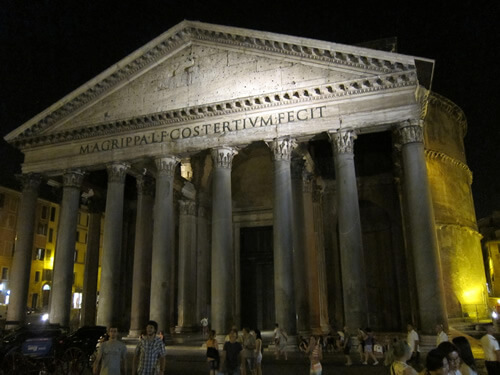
<point x="51" y="47"/>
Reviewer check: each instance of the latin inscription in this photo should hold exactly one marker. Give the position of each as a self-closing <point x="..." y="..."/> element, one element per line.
<point x="203" y="130"/>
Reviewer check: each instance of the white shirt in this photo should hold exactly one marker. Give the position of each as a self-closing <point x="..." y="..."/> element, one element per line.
<point x="441" y="337"/>
<point x="490" y="346"/>
<point x="411" y="338"/>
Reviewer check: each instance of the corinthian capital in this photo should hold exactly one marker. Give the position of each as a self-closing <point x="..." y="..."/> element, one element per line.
<point x="166" y="165"/>
<point x="145" y="185"/>
<point x="73" y="178"/>
<point x="411" y="131"/>
<point x="282" y="148"/>
<point x="223" y="157"/>
<point x="343" y="141"/>
<point x="187" y="207"/>
<point x="117" y="172"/>
<point x="30" y="181"/>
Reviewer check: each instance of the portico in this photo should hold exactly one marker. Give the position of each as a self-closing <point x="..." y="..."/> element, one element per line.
<point x="268" y="125"/>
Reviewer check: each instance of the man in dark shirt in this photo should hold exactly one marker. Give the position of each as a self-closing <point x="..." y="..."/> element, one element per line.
<point x="230" y="354"/>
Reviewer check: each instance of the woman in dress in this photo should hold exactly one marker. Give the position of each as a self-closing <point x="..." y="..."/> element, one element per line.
<point x="315" y="355"/>
<point x="468" y="363"/>
<point x="258" y="351"/>
<point x="212" y="353"/>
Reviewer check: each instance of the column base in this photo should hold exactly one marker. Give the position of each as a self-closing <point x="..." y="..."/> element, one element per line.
<point x="186" y="329"/>
<point x="135" y="333"/>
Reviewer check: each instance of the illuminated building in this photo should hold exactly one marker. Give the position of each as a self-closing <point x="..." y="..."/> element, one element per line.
<point x="256" y="177"/>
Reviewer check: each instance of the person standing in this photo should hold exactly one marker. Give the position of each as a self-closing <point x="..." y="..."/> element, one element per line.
<point x="400" y="353"/>
<point x="280" y="341"/>
<point x="204" y="326"/>
<point x="369" y="345"/>
<point x="346" y="346"/>
<point x="149" y="357"/>
<point x="112" y="356"/>
<point x="467" y="363"/>
<point x="413" y="340"/>
<point x="230" y="354"/>
<point x="315" y="356"/>
<point x="248" y="354"/>
<point x="441" y="335"/>
<point x="212" y="353"/>
<point x="258" y="351"/>
<point x="491" y="351"/>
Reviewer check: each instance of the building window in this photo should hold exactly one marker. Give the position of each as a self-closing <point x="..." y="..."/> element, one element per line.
<point x="47" y="275"/>
<point x="37" y="276"/>
<point x="76" y="256"/>
<point x="39" y="254"/>
<point x="48" y="254"/>
<point x="42" y="229"/>
<point x="5" y="273"/>
<point x="52" y="214"/>
<point x="77" y="236"/>
<point x="51" y="234"/>
<point x="44" y="212"/>
<point x="13" y="204"/>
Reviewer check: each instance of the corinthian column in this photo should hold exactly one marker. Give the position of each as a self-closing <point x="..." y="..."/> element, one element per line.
<point x="187" y="267"/>
<point x="222" y="241"/>
<point x="60" y="298"/>
<point x="21" y="263"/>
<point x="141" y="281"/>
<point x="107" y="312"/>
<point x="422" y="229"/>
<point x="162" y="282"/>
<point x="282" y="235"/>
<point x="351" y="246"/>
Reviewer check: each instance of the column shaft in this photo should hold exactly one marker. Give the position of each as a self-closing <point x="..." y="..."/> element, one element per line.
<point x="187" y="267"/>
<point x="162" y="286"/>
<point x="203" y="265"/>
<point x="60" y="298"/>
<point x="350" y="235"/>
<point x="282" y="236"/>
<point x="299" y="249"/>
<point x="141" y="281"/>
<point x="107" y="312"/>
<point x="89" y="299"/>
<point x="423" y="240"/>
<point x="222" y="242"/>
<point x="21" y="263"/>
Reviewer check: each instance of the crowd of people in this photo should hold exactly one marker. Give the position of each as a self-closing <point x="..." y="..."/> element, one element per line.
<point x="242" y="353"/>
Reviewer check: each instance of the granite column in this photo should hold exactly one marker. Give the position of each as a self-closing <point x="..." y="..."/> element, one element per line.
<point x="21" y="263"/>
<point x="141" y="279"/>
<point x="282" y="235"/>
<point x="350" y="235"/>
<point x="162" y="285"/>
<point x="222" y="241"/>
<point x="423" y="239"/>
<point x="107" y="312"/>
<point x="62" y="282"/>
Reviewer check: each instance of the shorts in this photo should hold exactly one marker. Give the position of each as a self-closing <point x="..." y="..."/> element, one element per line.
<point x="258" y="360"/>
<point x="368" y="348"/>
<point x="316" y="369"/>
<point x="251" y="363"/>
<point x="347" y="349"/>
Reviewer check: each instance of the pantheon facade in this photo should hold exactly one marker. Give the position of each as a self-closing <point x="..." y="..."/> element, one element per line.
<point x="256" y="178"/>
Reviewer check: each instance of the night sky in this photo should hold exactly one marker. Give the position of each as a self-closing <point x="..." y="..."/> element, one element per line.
<point x="49" y="48"/>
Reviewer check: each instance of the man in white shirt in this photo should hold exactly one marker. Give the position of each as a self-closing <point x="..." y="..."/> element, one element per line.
<point x="491" y="351"/>
<point x="441" y="335"/>
<point x="413" y="342"/>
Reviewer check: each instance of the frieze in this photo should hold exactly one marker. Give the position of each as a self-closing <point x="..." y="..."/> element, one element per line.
<point x="73" y="178"/>
<point x="431" y="154"/>
<point x="29" y="181"/>
<point x="117" y="172"/>
<point x="223" y="157"/>
<point x="343" y="141"/>
<point x="282" y="148"/>
<point x="166" y="165"/>
<point x="327" y="91"/>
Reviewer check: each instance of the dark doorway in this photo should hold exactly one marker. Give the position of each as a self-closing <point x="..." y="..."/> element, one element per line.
<point x="257" y="278"/>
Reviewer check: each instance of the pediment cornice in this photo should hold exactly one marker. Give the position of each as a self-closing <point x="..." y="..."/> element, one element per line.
<point x="336" y="91"/>
<point x="188" y="32"/>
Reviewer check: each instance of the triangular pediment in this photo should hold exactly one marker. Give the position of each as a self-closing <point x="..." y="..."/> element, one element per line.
<point x="197" y="69"/>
